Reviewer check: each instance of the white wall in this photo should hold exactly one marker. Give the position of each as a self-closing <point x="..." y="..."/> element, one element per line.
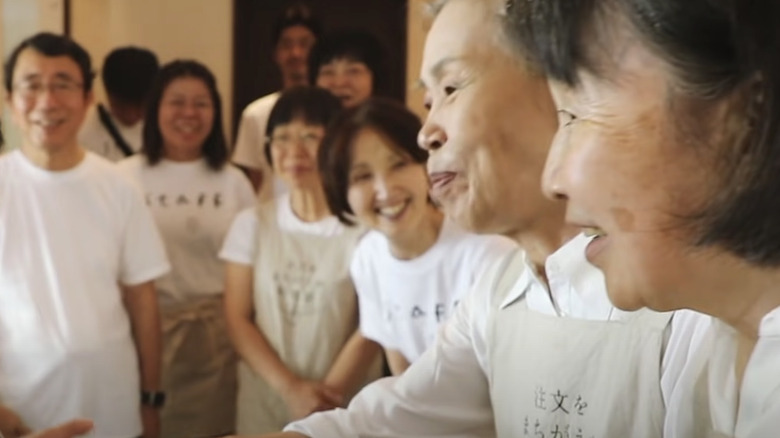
<point x="198" y="29"/>
<point x="18" y="20"/>
<point x="417" y="28"/>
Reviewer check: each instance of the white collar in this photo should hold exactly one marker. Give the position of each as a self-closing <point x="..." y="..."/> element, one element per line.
<point x="577" y="288"/>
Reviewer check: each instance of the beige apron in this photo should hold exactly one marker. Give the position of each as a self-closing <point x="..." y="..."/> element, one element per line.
<point x="199" y="370"/>
<point x="305" y="306"/>
<point x="555" y="377"/>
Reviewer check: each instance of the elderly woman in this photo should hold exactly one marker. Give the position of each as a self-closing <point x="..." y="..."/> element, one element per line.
<point x="667" y="151"/>
<point x="536" y="349"/>
<point x="194" y="194"/>
<point x="291" y="306"/>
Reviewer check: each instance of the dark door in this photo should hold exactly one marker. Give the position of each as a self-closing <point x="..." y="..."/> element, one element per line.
<point x="254" y="71"/>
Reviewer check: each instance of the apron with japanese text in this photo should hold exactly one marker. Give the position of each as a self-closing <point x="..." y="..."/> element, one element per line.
<point x="305" y="306"/>
<point x="557" y="377"/>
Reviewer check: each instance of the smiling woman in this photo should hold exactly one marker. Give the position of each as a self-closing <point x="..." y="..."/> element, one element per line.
<point x="414" y="267"/>
<point x="193" y="194"/>
<point x="669" y="146"/>
<point x="291" y="305"/>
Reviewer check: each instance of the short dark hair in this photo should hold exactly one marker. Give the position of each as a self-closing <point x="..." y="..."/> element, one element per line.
<point x="312" y="105"/>
<point x="298" y="14"/>
<point x="389" y="118"/>
<point x="354" y="45"/>
<point x="52" y="45"/>
<point x="716" y="50"/>
<point x="128" y="74"/>
<point x="215" y="149"/>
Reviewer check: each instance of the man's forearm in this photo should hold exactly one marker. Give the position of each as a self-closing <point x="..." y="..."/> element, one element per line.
<point x="142" y="307"/>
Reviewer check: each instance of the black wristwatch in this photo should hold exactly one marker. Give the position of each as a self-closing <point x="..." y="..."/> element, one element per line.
<point x="154" y="399"/>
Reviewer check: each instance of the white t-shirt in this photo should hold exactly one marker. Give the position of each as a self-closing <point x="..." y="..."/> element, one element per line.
<point x="94" y="137"/>
<point x="193" y="207"/>
<point x="67" y="240"/>
<point x="250" y="143"/>
<point x="420" y="401"/>
<point x="402" y="302"/>
<point x="241" y="242"/>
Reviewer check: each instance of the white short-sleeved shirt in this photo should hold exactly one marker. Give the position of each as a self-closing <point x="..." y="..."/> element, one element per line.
<point x="193" y="206"/>
<point x="402" y="302"/>
<point x="94" y="137"/>
<point x="420" y="402"/>
<point x="241" y="242"/>
<point x="250" y="143"/>
<point x="67" y="240"/>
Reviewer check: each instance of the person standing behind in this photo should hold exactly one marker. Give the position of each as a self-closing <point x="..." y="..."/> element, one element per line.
<point x="413" y="267"/>
<point x="114" y="131"/>
<point x="193" y="194"/>
<point x="294" y="33"/>
<point x="349" y="64"/>
<point x="79" y="324"/>
<point x="291" y="306"/>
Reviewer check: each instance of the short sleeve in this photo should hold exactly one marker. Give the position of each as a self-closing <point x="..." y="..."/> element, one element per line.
<point x="243" y="189"/>
<point x="143" y="251"/>
<point x="373" y="325"/>
<point x="248" y="151"/>
<point x="240" y="244"/>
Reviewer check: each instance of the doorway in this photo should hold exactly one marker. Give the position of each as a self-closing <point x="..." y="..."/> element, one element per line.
<point x="254" y="71"/>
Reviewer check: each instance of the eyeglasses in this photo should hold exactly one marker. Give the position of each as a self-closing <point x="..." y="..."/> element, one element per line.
<point x="60" y="88"/>
<point x="284" y="140"/>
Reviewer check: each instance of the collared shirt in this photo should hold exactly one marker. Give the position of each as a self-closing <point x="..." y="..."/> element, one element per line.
<point x="445" y="393"/>
<point x="709" y="400"/>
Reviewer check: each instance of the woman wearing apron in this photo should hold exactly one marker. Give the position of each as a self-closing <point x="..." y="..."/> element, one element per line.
<point x="668" y="150"/>
<point x="536" y="349"/>
<point x="290" y="303"/>
<point x="194" y="195"/>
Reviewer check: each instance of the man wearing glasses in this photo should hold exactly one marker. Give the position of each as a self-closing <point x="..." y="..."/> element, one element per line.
<point x="79" y="323"/>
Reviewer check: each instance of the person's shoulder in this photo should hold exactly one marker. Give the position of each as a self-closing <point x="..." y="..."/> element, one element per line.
<point x="246" y="217"/>
<point x="111" y="174"/>
<point x="131" y="163"/>
<point x="9" y="160"/>
<point x="9" y="157"/>
<point x="261" y="106"/>
<point x="233" y="173"/>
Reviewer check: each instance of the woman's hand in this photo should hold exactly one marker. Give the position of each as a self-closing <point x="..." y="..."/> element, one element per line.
<point x="305" y="396"/>
<point x="11" y="425"/>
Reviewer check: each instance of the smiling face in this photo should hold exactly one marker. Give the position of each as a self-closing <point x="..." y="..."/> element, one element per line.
<point x="388" y="190"/>
<point x="291" y="53"/>
<point x="186" y="118"/>
<point x="48" y="101"/>
<point x="632" y="177"/>
<point x="294" y="149"/>
<point x="349" y="80"/>
<point x="489" y="126"/>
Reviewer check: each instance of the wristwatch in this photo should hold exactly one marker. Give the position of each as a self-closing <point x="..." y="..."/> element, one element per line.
<point x="154" y="399"/>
